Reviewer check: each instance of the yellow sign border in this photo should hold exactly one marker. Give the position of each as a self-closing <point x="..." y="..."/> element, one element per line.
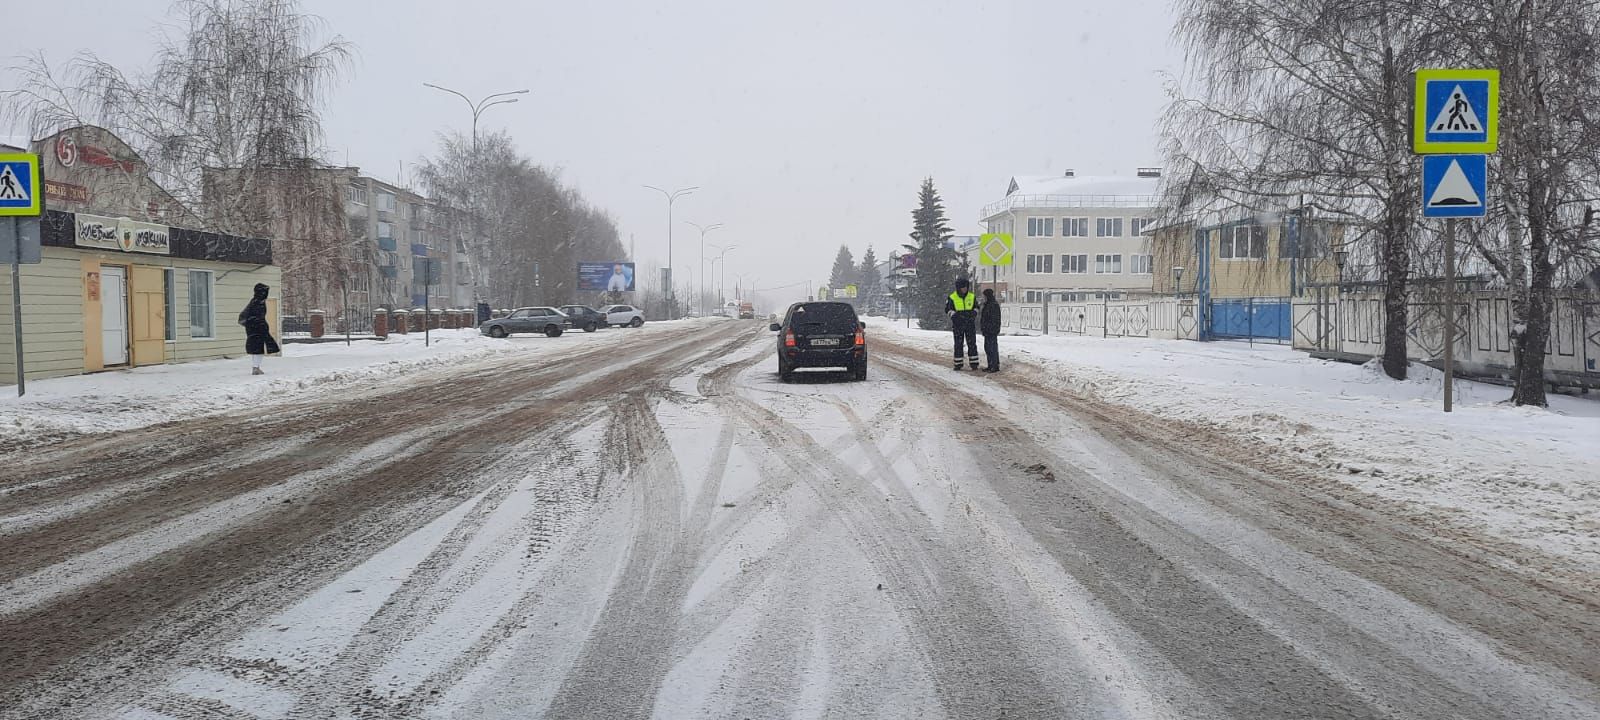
<point x="1011" y="249"/>
<point x="37" y="199"/>
<point x="1419" y="105"/>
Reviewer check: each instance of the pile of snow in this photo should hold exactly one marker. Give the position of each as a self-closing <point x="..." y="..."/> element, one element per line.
<point x="122" y="400"/>
<point x="1528" y="475"/>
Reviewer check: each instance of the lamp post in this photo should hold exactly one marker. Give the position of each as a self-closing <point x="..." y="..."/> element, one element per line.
<point x="722" y="285"/>
<point x="478" y="108"/>
<point x="703" y="230"/>
<point x="672" y="197"/>
<point x="1340" y="256"/>
<point x="1177" y="280"/>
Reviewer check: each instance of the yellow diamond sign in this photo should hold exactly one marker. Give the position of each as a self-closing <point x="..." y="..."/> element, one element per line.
<point x="995" y="249"/>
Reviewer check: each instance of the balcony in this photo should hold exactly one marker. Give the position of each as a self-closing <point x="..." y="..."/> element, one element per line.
<point x="388" y="271"/>
<point x="387" y="243"/>
<point x="419" y="249"/>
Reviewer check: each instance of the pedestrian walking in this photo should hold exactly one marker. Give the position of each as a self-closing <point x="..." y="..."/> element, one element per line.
<point x="962" y="307"/>
<point x="258" y="341"/>
<point x="989" y="325"/>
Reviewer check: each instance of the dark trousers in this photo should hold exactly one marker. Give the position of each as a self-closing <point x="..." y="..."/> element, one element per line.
<point x="991" y="350"/>
<point x="969" y="335"/>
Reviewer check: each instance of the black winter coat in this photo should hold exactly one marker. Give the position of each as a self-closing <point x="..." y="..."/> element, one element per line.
<point x="257" y="333"/>
<point x="989" y="318"/>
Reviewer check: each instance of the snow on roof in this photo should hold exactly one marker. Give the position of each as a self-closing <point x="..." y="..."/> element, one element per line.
<point x="1085" y="191"/>
<point x="17" y="143"/>
<point x="1085" y="185"/>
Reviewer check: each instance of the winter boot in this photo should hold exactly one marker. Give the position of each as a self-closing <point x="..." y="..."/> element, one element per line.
<point x="256" y="371"/>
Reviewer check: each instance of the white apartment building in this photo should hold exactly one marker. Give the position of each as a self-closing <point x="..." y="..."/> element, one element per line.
<point x="1079" y="236"/>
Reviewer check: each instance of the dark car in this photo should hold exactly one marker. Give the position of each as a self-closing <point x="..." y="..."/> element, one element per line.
<point x="821" y="335"/>
<point x="584" y="317"/>
<point x="545" y="320"/>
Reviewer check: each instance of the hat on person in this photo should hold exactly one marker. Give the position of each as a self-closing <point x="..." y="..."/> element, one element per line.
<point x="961" y="283"/>
<point x="988" y="293"/>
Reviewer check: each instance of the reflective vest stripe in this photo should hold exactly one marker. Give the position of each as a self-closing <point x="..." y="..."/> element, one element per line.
<point x="963" y="304"/>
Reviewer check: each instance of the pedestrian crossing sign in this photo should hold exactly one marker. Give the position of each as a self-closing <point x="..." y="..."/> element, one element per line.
<point x="1455" y="186"/>
<point x="19" y="185"/>
<point x="995" y="249"/>
<point x="1456" y="111"/>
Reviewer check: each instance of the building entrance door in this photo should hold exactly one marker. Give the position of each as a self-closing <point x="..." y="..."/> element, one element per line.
<point x="114" y="315"/>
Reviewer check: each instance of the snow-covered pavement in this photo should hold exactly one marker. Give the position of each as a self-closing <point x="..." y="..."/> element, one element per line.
<point x="663" y="529"/>
<point x="122" y="400"/>
<point x="1525" y="475"/>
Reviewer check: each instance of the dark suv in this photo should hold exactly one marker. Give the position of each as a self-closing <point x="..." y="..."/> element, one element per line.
<point x="585" y="318"/>
<point x="821" y="335"/>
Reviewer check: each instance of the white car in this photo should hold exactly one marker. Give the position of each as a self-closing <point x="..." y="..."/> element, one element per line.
<point x="624" y="315"/>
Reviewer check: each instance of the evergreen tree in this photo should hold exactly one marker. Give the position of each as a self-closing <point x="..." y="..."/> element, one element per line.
<point x="936" y="262"/>
<point x="844" y="271"/>
<point x="867" y="279"/>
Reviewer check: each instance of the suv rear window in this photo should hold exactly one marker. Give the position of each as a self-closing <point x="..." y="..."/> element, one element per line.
<point x="828" y="317"/>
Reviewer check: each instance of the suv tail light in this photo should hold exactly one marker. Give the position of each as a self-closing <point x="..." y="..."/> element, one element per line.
<point x="861" y="337"/>
<point x="788" y="338"/>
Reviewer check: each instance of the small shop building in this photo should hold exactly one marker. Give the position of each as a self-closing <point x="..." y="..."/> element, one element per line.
<point x="126" y="279"/>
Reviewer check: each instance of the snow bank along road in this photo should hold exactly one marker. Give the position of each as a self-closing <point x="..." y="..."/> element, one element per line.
<point x="668" y="531"/>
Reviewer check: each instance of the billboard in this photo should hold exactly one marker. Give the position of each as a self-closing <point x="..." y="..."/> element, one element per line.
<point x="605" y="276"/>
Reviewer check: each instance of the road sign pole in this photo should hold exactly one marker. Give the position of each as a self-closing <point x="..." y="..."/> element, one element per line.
<point x="16" y="302"/>
<point x="1449" y="313"/>
<point x="427" y="303"/>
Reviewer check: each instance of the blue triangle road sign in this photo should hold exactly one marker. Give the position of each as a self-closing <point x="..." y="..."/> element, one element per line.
<point x="1455" y="186"/>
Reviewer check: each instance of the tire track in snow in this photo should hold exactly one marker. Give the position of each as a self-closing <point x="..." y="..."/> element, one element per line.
<point x="1279" y="653"/>
<point x="44" y="652"/>
<point x="977" y="661"/>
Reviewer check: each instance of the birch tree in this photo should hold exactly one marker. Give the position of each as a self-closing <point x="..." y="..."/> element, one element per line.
<point x="1286" y="98"/>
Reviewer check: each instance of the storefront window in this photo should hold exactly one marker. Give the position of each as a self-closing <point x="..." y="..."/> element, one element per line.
<point x="200" y="310"/>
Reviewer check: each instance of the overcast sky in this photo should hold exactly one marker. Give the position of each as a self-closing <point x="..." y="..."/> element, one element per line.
<point x="806" y="124"/>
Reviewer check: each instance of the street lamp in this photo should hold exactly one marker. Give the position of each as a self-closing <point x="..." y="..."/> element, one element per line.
<point x="703" y="230"/>
<point x="722" y="254"/>
<point x="672" y="197"/>
<point x="1177" y="279"/>
<point x="477" y="108"/>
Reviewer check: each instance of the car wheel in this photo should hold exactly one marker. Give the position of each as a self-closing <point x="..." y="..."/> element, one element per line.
<point x="636" y="322"/>
<point x="497" y="332"/>
<point x="552" y="331"/>
<point x="784" y="372"/>
<point x="591" y="327"/>
<point x="859" y="372"/>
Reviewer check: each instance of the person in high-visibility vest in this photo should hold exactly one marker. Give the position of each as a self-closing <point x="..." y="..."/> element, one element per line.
<point x="962" y="307"/>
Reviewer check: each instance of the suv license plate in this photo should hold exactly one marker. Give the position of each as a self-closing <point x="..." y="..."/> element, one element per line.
<point x="832" y="342"/>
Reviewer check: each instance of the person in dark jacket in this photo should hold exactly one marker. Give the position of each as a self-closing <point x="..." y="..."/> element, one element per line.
<point x="258" y="340"/>
<point x="989" y="325"/>
<point x="962" y="307"/>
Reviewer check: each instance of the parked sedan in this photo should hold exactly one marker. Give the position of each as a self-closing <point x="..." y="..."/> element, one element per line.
<point x="585" y="318"/>
<point x="547" y="320"/>
<point x="624" y="315"/>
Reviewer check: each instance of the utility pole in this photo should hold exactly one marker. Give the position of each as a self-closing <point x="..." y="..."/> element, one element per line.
<point x="672" y="293"/>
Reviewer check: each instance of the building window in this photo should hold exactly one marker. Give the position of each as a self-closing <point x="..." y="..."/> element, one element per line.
<point x="1139" y="264"/>
<point x="1136" y="226"/>
<point x="169" y="291"/>
<point x="1244" y="242"/>
<point x="1041" y="227"/>
<point x="1075" y="264"/>
<point x="386" y="201"/>
<point x="1075" y="227"/>
<point x="1040" y="263"/>
<point x="358" y="194"/>
<point x="1108" y="227"/>
<point x="201" y="325"/>
<point x="1109" y="264"/>
<point x="1032" y="296"/>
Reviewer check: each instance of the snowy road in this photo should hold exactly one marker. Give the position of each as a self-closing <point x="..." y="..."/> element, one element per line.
<point x="665" y="530"/>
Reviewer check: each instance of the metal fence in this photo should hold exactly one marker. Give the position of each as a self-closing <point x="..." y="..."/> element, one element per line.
<point x="1351" y="324"/>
